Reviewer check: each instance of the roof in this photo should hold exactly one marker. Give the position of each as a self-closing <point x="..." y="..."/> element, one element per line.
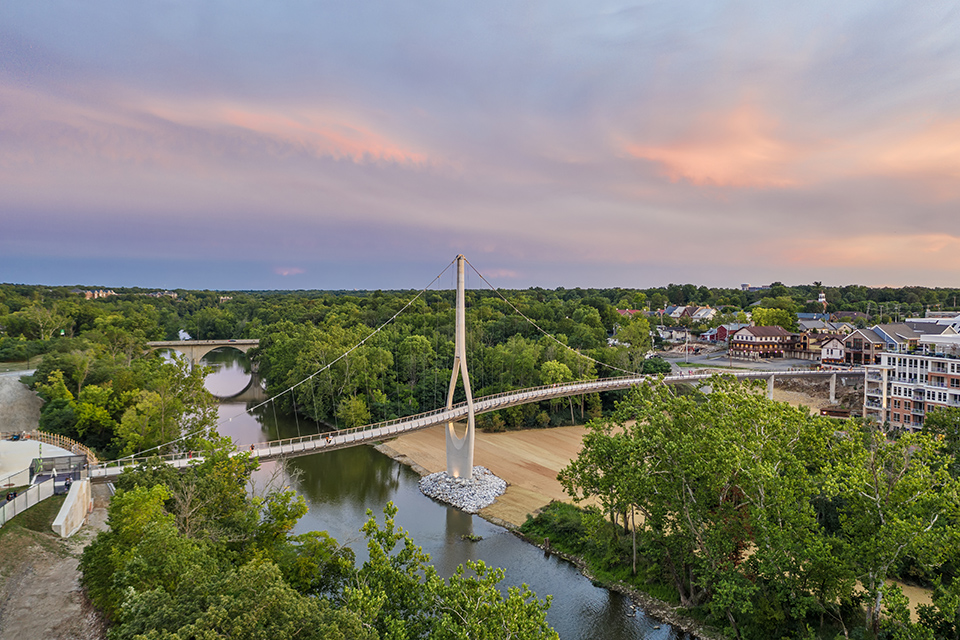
<point x="767" y="332"/>
<point x="927" y="328"/>
<point x="898" y="332"/>
<point x="868" y="335"/>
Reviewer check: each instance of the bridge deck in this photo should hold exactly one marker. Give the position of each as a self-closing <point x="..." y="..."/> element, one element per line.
<point x="305" y="445"/>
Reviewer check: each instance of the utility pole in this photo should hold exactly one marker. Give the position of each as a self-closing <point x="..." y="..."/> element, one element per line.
<point x="460" y="448"/>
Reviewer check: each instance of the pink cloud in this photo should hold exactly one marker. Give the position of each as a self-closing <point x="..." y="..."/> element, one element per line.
<point x="874" y="251"/>
<point x="288" y="271"/>
<point x="738" y="148"/>
<point x="323" y="134"/>
<point x="930" y="155"/>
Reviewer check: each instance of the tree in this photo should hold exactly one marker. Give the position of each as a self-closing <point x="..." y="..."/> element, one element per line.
<point x="943" y="423"/>
<point x="354" y="412"/>
<point x="402" y="596"/>
<point x="714" y="475"/>
<point x="899" y="501"/>
<point x="554" y="373"/>
<point x="764" y="317"/>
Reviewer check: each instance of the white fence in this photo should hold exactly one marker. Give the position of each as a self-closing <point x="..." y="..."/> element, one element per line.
<point x="16" y="479"/>
<point x="25" y="500"/>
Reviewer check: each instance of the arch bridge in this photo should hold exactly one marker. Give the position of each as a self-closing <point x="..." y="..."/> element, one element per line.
<point x="194" y="350"/>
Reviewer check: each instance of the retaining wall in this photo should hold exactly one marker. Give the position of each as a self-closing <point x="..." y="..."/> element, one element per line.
<point x="74" y="511"/>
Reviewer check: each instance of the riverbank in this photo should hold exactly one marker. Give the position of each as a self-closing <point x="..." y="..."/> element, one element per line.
<point x="529" y="462"/>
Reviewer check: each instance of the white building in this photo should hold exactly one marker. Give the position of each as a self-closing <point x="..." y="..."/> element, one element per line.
<point x="905" y="386"/>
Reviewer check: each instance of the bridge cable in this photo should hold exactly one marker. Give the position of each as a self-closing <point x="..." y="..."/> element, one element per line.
<point x="541" y="330"/>
<point x="310" y="377"/>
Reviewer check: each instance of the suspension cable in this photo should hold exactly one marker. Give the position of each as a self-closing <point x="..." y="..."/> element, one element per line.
<point x="541" y="330"/>
<point x="310" y="377"/>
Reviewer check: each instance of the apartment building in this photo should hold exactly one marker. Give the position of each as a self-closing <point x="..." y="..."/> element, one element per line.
<point x="906" y="385"/>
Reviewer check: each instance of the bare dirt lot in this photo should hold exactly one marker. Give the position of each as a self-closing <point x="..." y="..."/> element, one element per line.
<point x="527" y="460"/>
<point x="40" y="596"/>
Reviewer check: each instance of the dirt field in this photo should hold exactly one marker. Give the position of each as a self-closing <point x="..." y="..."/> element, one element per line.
<point x="19" y="406"/>
<point x="40" y="595"/>
<point x="527" y="460"/>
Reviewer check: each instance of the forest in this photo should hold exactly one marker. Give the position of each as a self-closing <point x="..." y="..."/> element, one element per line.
<point x="757" y="518"/>
<point x="119" y="399"/>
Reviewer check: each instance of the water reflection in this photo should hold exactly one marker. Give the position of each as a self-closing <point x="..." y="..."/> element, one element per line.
<point x="231" y="372"/>
<point x="341" y="486"/>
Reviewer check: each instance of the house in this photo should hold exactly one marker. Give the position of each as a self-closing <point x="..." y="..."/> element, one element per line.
<point x="831" y="350"/>
<point x="702" y="314"/>
<point x="863" y="346"/>
<point x="934" y="322"/>
<point x="823" y="317"/>
<point x="821" y="326"/>
<point x="838" y="316"/>
<point x="904" y="386"/>
<point x="672" y="334"/>
<point x="763" y="342"/>
<point x="721" y="333"/>
<point x="899" y="338"/>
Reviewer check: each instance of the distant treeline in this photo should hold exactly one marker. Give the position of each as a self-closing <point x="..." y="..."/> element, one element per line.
<point x="524" y="338"/>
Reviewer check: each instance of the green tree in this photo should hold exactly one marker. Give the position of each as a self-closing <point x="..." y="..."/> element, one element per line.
<point x="353" y="412"/>
<point x="899" y="501"/>
<point x="944" y="424"/>
<point x="403" y="597"/>
<point x="763" y="317"/>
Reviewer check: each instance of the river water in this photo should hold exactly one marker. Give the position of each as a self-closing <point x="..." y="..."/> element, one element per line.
<point x="340" y="486"/>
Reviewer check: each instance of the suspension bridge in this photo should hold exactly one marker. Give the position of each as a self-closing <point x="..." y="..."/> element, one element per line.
<point x="460" y="446"/>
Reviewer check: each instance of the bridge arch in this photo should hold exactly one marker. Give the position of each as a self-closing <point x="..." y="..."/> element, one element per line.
<point x="194" y="350"/>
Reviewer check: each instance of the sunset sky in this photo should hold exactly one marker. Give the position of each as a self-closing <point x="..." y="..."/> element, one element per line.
<point x="300" y="145"/>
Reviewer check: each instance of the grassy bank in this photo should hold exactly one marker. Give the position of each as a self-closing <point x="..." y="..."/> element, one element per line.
<point x="603" y="553"/>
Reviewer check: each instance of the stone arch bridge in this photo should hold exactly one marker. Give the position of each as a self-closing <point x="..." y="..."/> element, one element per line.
<point x="194" y="350"/>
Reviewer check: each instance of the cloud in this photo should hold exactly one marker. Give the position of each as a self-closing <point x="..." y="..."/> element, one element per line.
<point x="737" y="148"/>
<point x="288" y="271"/>
<point x="875" y="251"/>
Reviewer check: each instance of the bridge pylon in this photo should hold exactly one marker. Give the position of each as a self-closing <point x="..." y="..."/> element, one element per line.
<point x="460" y="448"/>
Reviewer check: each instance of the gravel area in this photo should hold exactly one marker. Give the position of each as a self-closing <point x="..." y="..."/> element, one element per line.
<point x="19" y="406"/>
<point x="467" y="495"/>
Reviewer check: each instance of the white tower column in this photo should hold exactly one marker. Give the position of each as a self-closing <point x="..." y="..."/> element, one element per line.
<point x="460" y="448"/>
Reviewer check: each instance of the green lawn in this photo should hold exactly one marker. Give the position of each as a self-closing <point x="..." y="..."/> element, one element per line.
<point x="19" y="366"/>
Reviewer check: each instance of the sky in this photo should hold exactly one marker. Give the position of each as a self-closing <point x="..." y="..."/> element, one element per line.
<point x="299" y="144"/>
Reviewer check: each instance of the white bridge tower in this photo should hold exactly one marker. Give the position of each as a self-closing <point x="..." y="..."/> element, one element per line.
<point x="460" y="447"/>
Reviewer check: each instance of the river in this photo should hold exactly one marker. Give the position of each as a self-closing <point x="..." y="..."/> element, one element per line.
<point x="340" y="486"/>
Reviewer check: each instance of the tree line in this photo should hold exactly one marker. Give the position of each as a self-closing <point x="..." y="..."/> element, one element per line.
<point x="572" y="334"/>
<point x="198" y="554"/>
<point x="766" y="521"/>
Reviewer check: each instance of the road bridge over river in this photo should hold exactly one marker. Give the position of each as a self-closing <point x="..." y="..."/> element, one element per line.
<point x="316" y="443"/>
<point x="194" y="350"/>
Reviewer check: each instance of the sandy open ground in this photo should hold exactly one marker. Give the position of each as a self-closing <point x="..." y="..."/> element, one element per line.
<point x="527" y="460"/>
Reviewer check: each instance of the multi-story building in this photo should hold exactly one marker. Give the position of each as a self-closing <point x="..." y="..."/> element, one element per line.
<point x="863" y="346"/>
<point x="904" y="386"/>
<point x="764" y="342"/>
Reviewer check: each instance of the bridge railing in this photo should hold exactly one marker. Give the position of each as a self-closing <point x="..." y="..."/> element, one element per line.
<point x="485" y="403"/>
